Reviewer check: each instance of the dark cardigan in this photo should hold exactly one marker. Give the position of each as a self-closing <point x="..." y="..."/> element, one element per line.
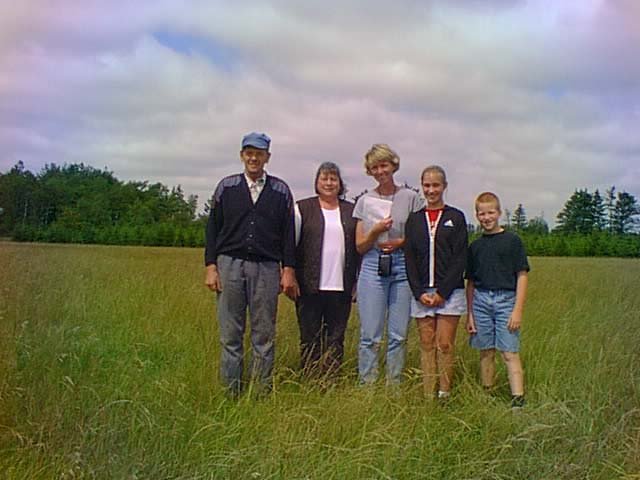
<point x="309" y="249"/>
<point x="259" y="232"/>
<point x="450" y="252"/>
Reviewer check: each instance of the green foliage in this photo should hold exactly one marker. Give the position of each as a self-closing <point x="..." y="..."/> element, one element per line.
<point x="80" y="204"/>
<point x="597" y="244"/>
<point x="519" y="219"/>
<point x="577" y="216"/>
<point x="598" y="211"/>
<point x="537" y="226"/>
<point x="17" y="196"/>
<point x="625" y="212"/>
<point x="109" y="359"/>
<point x="584" y="213"/>
<point x="609" y="206"/>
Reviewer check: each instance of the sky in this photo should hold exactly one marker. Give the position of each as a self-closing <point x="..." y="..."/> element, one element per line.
<point x="529" y="99"/>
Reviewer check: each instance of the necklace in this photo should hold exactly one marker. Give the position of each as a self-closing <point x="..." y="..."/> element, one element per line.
<point x="393" y="194"/>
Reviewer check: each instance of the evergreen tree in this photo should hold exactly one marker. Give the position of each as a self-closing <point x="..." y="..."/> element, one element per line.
<point x="598" y="212"/>
<point x="537" y="226"/>
<point x="610" y="206"/>
<point x="625" y="212"/>
<point x="203" y="218"/>
<point x="577" y="214"/>
<point x="519" y="218"/>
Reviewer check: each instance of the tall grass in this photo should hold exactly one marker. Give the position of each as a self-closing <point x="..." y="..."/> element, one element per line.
<point x="108" y="369"/>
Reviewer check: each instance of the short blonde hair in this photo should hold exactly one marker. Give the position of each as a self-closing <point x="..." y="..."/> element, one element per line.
<point x="488" y="197"/>
<point x="380" y="152"/>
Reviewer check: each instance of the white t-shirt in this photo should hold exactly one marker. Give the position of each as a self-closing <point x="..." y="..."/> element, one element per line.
<point x="332" y="266"/>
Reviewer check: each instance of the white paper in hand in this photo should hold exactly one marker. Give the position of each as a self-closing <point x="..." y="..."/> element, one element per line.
<point x="375" y="209"/>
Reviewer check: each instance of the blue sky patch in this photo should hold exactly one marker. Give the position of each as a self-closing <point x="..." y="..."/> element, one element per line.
<point x="216" y="52"/>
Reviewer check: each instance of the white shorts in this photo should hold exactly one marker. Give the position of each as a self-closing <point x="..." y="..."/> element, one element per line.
<point x="456" y="304"/>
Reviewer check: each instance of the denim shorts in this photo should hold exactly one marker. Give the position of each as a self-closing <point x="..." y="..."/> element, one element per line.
<point x="491" y="312"/>
<point x="456" y="304"/>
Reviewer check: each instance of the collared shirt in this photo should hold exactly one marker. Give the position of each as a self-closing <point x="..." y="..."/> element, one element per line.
<point x="255" y="188"/>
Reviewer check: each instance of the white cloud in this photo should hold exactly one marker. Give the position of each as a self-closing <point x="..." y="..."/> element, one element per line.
<point x="531" y="99"/>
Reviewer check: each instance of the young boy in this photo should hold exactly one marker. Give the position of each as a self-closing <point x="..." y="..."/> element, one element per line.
<point x="496" y="291"/>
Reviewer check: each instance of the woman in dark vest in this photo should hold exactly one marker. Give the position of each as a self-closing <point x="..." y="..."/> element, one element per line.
<point x="326" y="266"/>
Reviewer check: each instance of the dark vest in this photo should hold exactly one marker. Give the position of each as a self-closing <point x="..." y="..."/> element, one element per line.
<point x="309" y="249"/>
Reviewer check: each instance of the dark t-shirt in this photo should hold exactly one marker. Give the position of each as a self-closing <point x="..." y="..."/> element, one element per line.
<point x="495" y="260"/>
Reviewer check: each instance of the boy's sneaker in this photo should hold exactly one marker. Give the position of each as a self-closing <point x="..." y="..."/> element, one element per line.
<point x="517" y="402"/>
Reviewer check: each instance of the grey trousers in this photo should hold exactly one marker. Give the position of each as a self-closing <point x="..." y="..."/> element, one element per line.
<point x="253" y="286"/>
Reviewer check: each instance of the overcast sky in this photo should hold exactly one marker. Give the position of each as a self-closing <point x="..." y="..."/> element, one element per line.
<point x="530" y="99"/>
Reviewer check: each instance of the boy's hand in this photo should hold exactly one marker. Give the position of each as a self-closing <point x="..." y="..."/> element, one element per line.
<point x="515" y="321"/>
<point x="471" y="324"/>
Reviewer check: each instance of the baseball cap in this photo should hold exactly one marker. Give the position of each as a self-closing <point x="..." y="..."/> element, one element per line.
<point x="256" y="140"/>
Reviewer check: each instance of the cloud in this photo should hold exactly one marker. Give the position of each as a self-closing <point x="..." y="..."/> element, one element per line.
<point x="530" y="99"/>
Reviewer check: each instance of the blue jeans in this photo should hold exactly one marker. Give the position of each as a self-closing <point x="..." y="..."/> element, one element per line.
<point x="380" y="299"/>
<point x="253" y="286"/>
<point x="491" y="312"/>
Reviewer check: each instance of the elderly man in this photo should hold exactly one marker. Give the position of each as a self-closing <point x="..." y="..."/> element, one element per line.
<point x="250" y="236"/>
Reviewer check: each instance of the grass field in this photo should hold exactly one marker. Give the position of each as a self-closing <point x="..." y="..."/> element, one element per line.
<point x="108" y="369"/>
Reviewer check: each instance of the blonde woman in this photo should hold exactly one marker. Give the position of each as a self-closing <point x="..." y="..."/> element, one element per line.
<point x="383" y="289"/>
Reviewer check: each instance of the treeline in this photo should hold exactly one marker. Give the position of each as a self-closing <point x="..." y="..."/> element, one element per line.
<point x="80" y="204"/>
<point x="585" y="245"/>
<point x="589" y="225"/>
<point x="585" y="212"/>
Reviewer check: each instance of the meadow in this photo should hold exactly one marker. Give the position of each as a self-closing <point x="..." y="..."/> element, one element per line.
<point x="108" y="369"/>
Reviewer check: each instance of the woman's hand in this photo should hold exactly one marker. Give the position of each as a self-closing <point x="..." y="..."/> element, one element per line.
<point x="425" y="299"/>
<point x="432" y="300"/>
<point x="391" y="245"/>
<point x="382" y="226"/>
<point x="437" y="300"/>
<point x="366" y="240"/>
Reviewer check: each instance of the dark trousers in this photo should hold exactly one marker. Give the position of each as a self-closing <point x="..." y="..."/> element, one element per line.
<point x="322" y="318"/>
